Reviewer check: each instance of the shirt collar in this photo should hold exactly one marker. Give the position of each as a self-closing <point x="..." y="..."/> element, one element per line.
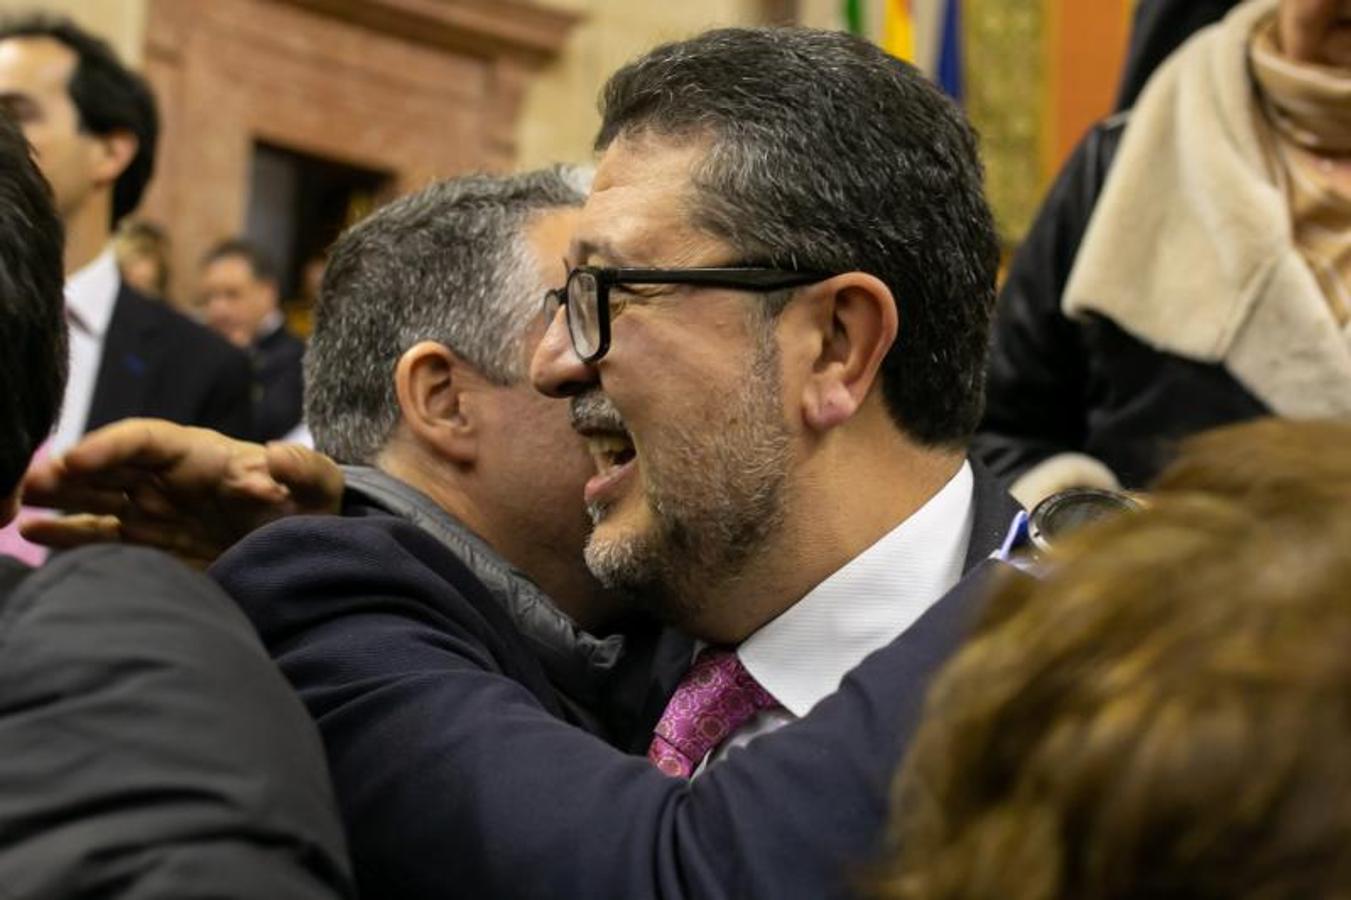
<point x="91" y="293"/>
<point x="802" y="656"/>
<point x="270" y="325"/>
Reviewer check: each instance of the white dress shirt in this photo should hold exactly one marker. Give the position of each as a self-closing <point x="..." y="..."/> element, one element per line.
<point x="91" y="294"/>
<point x="802" y="656"/>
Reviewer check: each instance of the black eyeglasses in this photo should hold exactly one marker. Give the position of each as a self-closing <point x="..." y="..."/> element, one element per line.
<point x="586" y="294"/>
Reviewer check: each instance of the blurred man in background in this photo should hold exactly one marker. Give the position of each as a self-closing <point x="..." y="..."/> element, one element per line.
<point x="93" y="125"/>
<point x="241" y="302"/>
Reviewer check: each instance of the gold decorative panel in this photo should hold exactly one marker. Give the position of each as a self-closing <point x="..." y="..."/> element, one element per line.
<point x="1006" y="98"/>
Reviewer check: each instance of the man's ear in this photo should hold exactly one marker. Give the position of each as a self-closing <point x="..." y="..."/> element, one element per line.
<point x="430" y="382"/>
<point x="115" y="151"/>
<point x="854" y="322"/>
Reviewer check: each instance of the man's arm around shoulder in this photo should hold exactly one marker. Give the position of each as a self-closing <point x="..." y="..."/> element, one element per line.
<point x="451" y="772"/>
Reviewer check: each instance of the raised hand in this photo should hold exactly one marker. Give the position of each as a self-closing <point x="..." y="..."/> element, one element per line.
<point x="190" y="491"/>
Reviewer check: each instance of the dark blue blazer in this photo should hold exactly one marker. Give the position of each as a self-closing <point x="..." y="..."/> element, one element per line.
<point x="459" y="775"/>
<point x="157" y="362"/>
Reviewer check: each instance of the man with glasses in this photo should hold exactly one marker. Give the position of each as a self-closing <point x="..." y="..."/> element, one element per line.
<point x="774" y="339"/>
<point x="763" y="456"/>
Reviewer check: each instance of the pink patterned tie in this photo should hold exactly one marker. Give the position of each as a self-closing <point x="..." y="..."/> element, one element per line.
<point x="715" y="698"/>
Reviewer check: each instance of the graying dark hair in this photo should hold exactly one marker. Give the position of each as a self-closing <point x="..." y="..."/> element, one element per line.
<point x="449" y="264"/>
<point x="828" y="154"/>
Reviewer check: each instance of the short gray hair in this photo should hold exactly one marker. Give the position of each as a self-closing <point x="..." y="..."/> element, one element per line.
<point x="447" y="264"/>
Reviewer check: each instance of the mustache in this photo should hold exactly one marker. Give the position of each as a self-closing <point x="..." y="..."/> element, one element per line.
<point x="593" y="411"/>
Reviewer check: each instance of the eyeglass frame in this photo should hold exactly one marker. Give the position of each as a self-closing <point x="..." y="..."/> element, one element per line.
<point x="753" y="279"/>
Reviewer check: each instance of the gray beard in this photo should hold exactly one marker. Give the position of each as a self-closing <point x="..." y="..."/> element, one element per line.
<point x="715" y="503"/>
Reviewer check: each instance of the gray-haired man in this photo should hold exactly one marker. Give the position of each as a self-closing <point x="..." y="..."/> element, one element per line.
<point x="417" y="369"/>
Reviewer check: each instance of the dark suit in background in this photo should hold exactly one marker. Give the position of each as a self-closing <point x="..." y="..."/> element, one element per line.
<point x="457" y="769"/>
<point x="157" y="362"/>
<point x="148" y="747"/>
<point x="277" y="358"/>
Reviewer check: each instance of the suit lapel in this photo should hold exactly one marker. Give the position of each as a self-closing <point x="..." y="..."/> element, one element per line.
<point x="993" y="512"/>
<point x="671" y="659"/>
<point x="126" y="364"/>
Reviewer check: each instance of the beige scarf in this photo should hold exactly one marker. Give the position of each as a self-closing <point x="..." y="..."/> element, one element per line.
<point x="1190" y="246"/>
<point x="1310" y="105"/>
<point x="1309" y="108"/>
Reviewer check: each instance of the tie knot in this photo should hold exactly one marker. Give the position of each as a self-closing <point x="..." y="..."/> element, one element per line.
<point x="715" y="698"/>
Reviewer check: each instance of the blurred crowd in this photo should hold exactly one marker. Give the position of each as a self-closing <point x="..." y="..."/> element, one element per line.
<point x="710" y="523"/>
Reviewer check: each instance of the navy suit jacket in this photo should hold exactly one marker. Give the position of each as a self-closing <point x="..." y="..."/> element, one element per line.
<point x="157" y="362"/>
<point x="459" y="775"/>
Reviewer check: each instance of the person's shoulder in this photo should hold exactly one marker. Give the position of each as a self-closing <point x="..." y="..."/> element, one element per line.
<point x="112" y="566"/>
<point x="359" y="537"/>
<point x="301" y="567"/>
<point x="125" y="656"/>
<point x="993" y="489"/>
<point x="368" y="596"/>
<point x="338" y="543"/>
<point x="95" y="582"/>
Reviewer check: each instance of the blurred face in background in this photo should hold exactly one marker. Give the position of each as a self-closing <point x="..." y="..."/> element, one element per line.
<point x="1316" y="31"/>
<point x="234" y="301"/>
<point x="142" y="272"/>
